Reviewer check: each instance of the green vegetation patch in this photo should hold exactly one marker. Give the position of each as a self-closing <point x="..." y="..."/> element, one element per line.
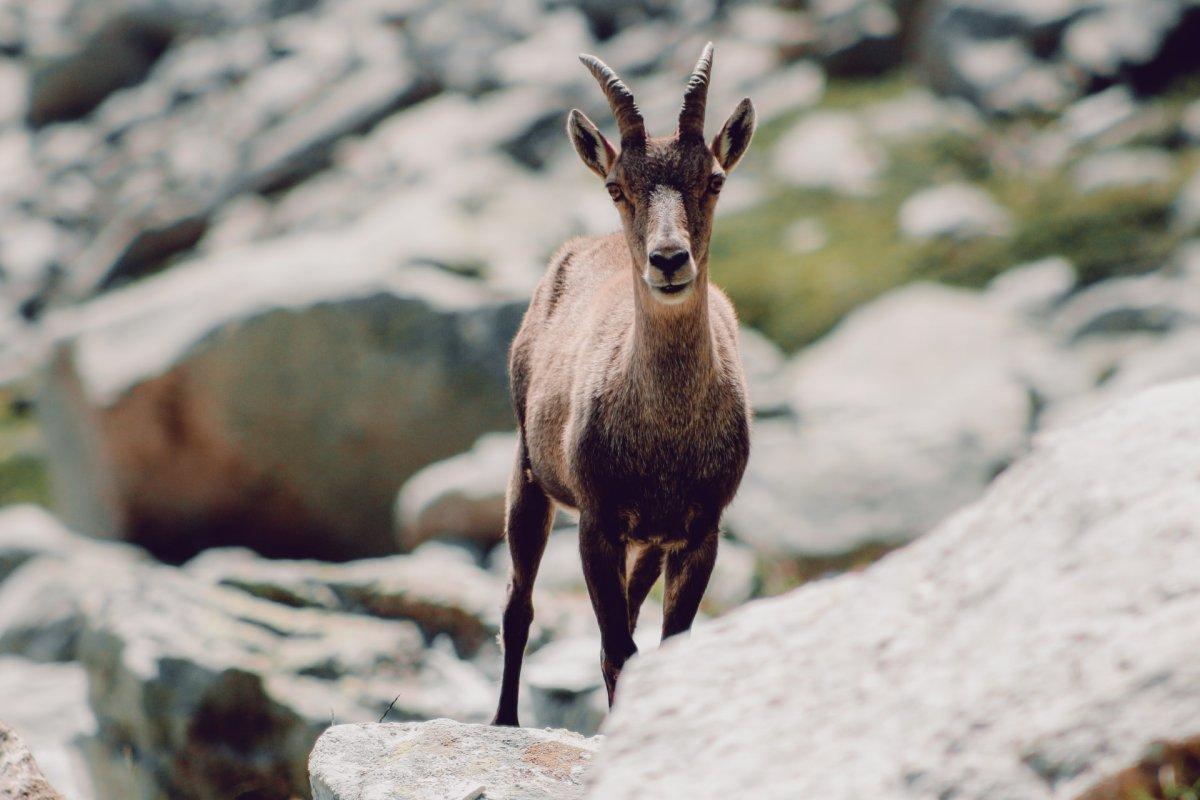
<point x="22" y="468"/>
<point x="795" y="297"/>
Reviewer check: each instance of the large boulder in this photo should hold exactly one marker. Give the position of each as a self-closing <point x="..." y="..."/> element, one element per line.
<point x="1033" y="645"/>
<point x="904" y="414"/>
<point x="273" y="397"/>
<point x="441" y="759"/>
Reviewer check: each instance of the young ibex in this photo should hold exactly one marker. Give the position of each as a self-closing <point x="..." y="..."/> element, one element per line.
<point x="628" y="386"/>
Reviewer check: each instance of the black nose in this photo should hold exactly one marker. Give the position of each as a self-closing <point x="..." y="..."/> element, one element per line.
<point x="668" y="261"/>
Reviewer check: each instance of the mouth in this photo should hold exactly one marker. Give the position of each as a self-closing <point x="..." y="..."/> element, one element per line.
<point x="672" y="289"/>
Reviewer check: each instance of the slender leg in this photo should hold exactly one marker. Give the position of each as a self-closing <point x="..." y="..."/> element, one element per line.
<point x="687" y="577"/>
<point x="604" y="571"/>
<point x="527" y="527"/>
<point x="640" y="576"/>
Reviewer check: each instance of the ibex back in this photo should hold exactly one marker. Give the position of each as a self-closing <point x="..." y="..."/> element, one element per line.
<point x="628" y="386"/>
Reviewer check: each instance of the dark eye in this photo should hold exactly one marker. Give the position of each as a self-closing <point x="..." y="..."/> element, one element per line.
<point x="715" y="183"/>
<point x="614" y="191"/>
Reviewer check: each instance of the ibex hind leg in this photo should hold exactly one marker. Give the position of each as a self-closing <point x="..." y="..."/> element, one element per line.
<point x="527" y="527"/>
<point x="604" y="570"/>
<point x="642" y="572"/>
<point x="688" y="572"/>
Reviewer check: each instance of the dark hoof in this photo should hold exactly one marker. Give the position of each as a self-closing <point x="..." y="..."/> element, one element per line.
<point x="506" y="721"/>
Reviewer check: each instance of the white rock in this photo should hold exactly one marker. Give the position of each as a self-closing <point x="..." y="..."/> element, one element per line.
<point x="445" y="760"/>
<point x="905" y="412"/>
<point x="1030" y="647"/>
<point x="1122" y="168"/>
<point x="830" y="150"/>
<point x="955" y="210"/>
<point x="461" y="497"/>
<point x="1033" y="290"/>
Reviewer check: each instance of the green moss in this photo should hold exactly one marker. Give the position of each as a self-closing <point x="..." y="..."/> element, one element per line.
<point x="794" y="298"/>
<point x="22" y="469"/>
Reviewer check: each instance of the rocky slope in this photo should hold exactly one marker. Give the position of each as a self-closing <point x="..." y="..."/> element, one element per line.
<point x="1032" y="646"/>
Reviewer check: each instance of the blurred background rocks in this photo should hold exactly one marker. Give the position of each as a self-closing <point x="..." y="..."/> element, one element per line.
<point x="260" y="262"/>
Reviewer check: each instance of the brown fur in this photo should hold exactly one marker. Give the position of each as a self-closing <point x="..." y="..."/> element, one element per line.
<point x="630" y="397"/>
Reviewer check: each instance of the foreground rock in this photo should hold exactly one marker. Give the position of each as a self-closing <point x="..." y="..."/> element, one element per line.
<point x="439" y="760"/>
<point x="274" y="397"/>
<point x="20" y="777"/>
<point x="1033" y="645"/>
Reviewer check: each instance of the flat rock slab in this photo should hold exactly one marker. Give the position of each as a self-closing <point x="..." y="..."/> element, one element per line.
<point x="446" y="760"/>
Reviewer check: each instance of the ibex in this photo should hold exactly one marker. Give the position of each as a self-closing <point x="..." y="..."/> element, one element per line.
<point x="628" y="387"/>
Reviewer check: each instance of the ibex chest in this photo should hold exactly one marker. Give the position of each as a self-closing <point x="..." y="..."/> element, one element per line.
<point x="664" y="475"/>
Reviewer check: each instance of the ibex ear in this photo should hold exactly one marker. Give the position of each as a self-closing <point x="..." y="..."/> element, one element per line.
<point x="731" y="143"/>
<point x="591" y="145"/>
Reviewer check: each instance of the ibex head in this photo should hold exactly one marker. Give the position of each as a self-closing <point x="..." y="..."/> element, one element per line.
<point x="664" y="189"/>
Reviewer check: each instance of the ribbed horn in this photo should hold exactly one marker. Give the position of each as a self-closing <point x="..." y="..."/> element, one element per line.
<point x="629" y="120"/>
<point x="695" y="97"/>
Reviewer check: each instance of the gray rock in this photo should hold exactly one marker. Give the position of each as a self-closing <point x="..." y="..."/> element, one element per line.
<point x="1124" y="168"/>
<point x="460" y="498"/>
<point x="1152" y="303"/>
<point x="905" y="412"/>
<point x="441" y="759"/>
<point x="216" y="690"/>
<point x="861" y="37"/>
<point x="48" y="704"/>
<point x="830" y="150"/>
<point x="1189" y="121"/>
<point x="262" y="398"/>
<point x="443" y="596"/>
<point x="787" y="89"/>
<point x="1187" y="206"/>
<point x="953" y="210"/>
<point x="942" y="661"/>
<point x="764" y="363"/>
<point x="22" y="777"/>
<point x="1033" y="290"/>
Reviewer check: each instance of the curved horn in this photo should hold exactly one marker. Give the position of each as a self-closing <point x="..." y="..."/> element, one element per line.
<point x="695" y="97"/>
<point x="620" y="99"/>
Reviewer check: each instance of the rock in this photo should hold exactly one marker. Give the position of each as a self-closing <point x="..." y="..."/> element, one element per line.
<point x="1189" y="121"/>
<point x="917" y="113"/>
<point x="441" y="595"/>
<point x="215" y="690"/>
<point x="459" y="498"/>
<point x="442" y="759"/>
<point x="1035" y="289"/>
<point x="764" y="364"/>
<point x="1187" y="206"/>
<point x="1094" y="116"/>
<point x="22" y="778"/>
<point x="261" y="398"/>
<point x="905" y="412"/>
<point x="941" y="661"/>
<point x="48" y="704"/>
<point x="859" y="37"/>
<point x="119" y="54"/>
<point x="564" y="686"/>
<point x="830" y="150"/>
<point x="1152" y="303"/>
<point x="28" y="532"/>
<point x="1124" y="168"/>
<point x="790" y="88"/>
<point x="953" y="210"/>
